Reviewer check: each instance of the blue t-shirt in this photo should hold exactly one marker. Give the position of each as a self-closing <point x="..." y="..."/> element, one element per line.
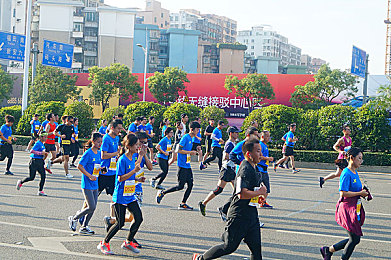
<point x="110" y="145"/>
<point x="187" y="145"/>
<point x="44" y="123"/>
<point x="7" y="132"/>
<point x="91" y="163"/>
<point x="349" y="181"/>
<point x="124" y="190"/>
<point x="132" y="128"/>
<point x="35" y="126"/>
<point x="289" y="135"/>
<point x="149" y="128"/>
<point x="102" y="130"/>
<point x="139" y="174"/>
<point x="39" y="147"/>
<point x="217" y="133"/>
<point x="76" y="130"/>
<point x="265" y="153"/>
<point x="164" y="130"/>
<point x="141" y="128"/>
<point x="165" y="145"/>
<point x="236" y="155"/>
<point x="195" y="139"/>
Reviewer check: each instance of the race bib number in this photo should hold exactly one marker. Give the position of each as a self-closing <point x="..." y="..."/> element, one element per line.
<point x="188" y="158"/>
<point x="254" y="201"/>
<point x="140" y="173"/>
<point x="10" y="138"/>
<point x="129" y="189"/>
<point x="66" y="142"/>
<point x="113" y="164"/>
<point x="96" y="169"/>
<point x="36" y="127"/>
<point x="169" y="148"/>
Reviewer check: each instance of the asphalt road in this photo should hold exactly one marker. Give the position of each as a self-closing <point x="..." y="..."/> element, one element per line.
<point x="33" y="227"/>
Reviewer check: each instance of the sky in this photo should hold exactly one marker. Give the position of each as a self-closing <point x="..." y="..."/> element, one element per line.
<point x="325" y="29"/>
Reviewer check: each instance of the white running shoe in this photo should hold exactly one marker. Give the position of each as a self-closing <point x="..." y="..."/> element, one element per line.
<point x="19" y="184"/>
<point x="68" y="176"/>
<point x="261" y="224"/>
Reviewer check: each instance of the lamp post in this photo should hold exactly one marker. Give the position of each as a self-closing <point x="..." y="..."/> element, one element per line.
<point x="146" y="59"/>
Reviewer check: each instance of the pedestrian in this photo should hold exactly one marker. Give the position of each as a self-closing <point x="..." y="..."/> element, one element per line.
<point x="57" y="140"/>
<point x="342" y="145"/>
<point x="151" y="134"/>
<point x="217" y="141"/>
<point x="263" y="166"/>
<point x="290" y="141"/>
<point x="142" y="127"/>
<point x="185" y="174"/>
<point x="37" y="164"/>
<point x="66" y="132"/>
<point x="133" y="127"/>
<point x="50" y="145"/>
<point x="208" y="141"/>
<point x="163" y="125"/>
<point x="243" y="222"/>
<point x="44" y="123"/>
<point x="124" y="196"/>
<point x="350" y="213"/>
<point x="197" y="145"/>
<point x="165" y="148"/>
<point x="178" y="136"/>
<point x="90" y="167"/>
<point x="6" y="150"/>
<point x="75" y="145"/>
<point x="103" y="127"/>
<point x="184" y="120"/>
<point x="35" y="126"/>
<point x="227" y="173"/>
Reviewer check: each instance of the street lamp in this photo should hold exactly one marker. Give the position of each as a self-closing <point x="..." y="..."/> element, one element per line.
<point x="145" y="65"/>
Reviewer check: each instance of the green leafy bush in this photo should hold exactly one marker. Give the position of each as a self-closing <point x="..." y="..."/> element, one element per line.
<point x="15" y="111"/>
<point x="308" y="130"/>
<point x="173" y="112"/>
<point x="110" y="113"/>
<point x="85" y="114"/>
<point x="255" y="115"/>
<point x="215" y="113"/>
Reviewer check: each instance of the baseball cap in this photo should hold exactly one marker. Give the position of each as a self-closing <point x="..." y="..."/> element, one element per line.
<point x="233" y="129"/>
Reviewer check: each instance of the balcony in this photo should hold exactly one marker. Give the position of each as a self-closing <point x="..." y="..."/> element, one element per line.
<point x="77" y="34"/>
<point x="77" y="65"/>
<point x="78" y="19"/>
<point x="91" y="38"/>
<point x="153" y="52"/>
<point x="77" y="49"/>
<point x="90" y="53"/>
<point x="91" y="24"/>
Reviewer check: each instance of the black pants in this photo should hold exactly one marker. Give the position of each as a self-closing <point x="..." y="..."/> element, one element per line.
<point x="236" y="230"/>
<point x="6" y="151"/>
<point x="74" y="151"/>
<point x="225" y="207"/>
<point x="185" y="176"/>
<point x="120" y="212"/>
<point x="163" y="164"/>
<point x="348" y="245"/>
<point x="216" y="152"/>
<point x="36" y="165"/>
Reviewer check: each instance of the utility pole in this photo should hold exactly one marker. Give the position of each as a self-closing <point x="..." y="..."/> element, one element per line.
<point x="35" y="52"/>
<point x="27" y="57"/>
<point x="365" y="87"/>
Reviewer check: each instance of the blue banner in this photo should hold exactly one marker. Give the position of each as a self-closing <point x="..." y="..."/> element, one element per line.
<point x="12" y="46"/>
<point x="57" y="54"/>
<point x="359" y="58"/>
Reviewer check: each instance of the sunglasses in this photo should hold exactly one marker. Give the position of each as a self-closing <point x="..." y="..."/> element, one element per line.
<point x="143" y="142"/>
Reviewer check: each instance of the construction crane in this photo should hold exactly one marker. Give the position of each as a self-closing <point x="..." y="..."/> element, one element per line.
<point x="388" y="41"/>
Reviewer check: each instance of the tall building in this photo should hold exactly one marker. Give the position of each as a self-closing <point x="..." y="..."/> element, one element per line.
<point x="154" y="14"/>
<point x="143" y="34"/>
<point x="316" y="64"/>
<point x="213" y="28"/>
<point x="312" y="64"/>
<point x="262" y="41"/>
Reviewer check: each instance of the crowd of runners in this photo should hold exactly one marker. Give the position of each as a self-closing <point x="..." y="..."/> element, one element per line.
<point x="116" y="158"/>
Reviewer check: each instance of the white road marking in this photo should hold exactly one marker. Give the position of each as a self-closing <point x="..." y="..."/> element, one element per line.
<point x="366" y="213"/>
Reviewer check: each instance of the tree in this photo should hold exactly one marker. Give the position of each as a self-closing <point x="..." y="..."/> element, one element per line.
<point x="85" y="114"/>
<point x="255" y="88"/>
<point x="384" y="96"/>
<point x="113" y="81"/>
<point x="7" y="84"/>
<point x="165" y="87"/>
<point x="328" y="85"/>
<point x="51" y="84"/>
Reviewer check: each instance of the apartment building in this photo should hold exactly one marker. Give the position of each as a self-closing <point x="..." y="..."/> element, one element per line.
<point x="154" y="14"/>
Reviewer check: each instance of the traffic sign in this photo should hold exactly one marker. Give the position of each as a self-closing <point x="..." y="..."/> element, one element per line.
<point x="358" y="62"/>
<point x="57" y="54"/>
<point x="12" y="46"/>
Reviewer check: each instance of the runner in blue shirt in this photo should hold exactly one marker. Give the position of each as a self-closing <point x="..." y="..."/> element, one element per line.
<point x="290" y="141"/>
<point x="142" y="126"/>
<point x="151" y="134"/>
<point x="124" y="196"/>
<point x="197" y="145"/>
<point x="217" y="141"/>
<point x="6" y="150"/>
<point x="185" y="174"/>
<point x="132" y="129"/>
<point x="75" y="145"/>
<point x="35" y="127"/>
<point x="263" y="166"/>
<point x="103" y="127"/>
<point x="163" y="125"/>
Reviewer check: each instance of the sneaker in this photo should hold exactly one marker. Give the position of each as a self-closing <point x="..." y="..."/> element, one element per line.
<point x="138" y="245"/>
<point x="8" y="173"/>
<point x="275" y="167"/>
<point x="159" y="197"/>
<point x="159" y="187"/>
<point x="73" y="165"/>
<point x="197" y="257"/>
<point x="184" y="206"/>
<point x="222" y="214"/>
<point x="155" y="162"/>
<point x="104" y="248"/>
<point x="48" y="170"/>
<point x="281" y="166"/>
<point x="266" y="205"/>
<point x="19" y="184"/>
<point x="81" y="220"/>
<point x="130" y="246"/>
<point x="321" y="181"/>
<point x="68" y="176"/>
<point x="72" y="223"/>
<point x="295" y="171"/>
<point x="108" y="225"/>
<point x="326" y="253"/>
<point x="86" y="231"/>
<point x="48" y="164"/>
<point x="41" y="193"/>
<point x="202" y="208"/>
<point x="202" y="166"/>
<point x="152" y="182"/>
<point x="261" y="224"/>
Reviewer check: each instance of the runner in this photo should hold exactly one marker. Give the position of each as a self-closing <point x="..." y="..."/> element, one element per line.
<point x="164" y="147"/>
<point x="90" y="167"/>
<point x="263" y="165"/>
<point x="151" y="134"/>
<point x="37" y="163"/>
<point x="217" y="141"/>
<point x="289" y="153"/>
<point x="57" y="140"/>
<point x="227" y="174"/>
<point x="133" y="127"/>
<point x="35" y="127"/>
<point x="243" y="222"/>
<point x="178" y="136"/>
<point x="197" y="145"/>
<point x="208" y="141"/>
<point x="350" y="213"/>
<point x="185" y="174"/>
<point x="67" y="132"/>
<point x="6" y="150"/>
<point x="184" y="120"/>
<point x="44" y="123"/>
<point x="142" y="127"/>
<point x="163" y="125"/>
<point x="50" y="146"/>
<point x="75" y="145"/>
<point x="342" y="145"/>
<point x="124" y="196"/>
<point x="103" y="127"/>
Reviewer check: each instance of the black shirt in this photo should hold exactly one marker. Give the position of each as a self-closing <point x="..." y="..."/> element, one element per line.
<point x="209" y="129"/>
<point x="67" y="130"/>
<point x="178" y="136"/>
<point x="247" y="178"/>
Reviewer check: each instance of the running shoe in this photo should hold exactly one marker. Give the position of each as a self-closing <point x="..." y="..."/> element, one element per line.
<point x="159" y="187"/>
<point x="105" y="248"/>
<point x="48" y="170"/>
<point x="19" y="184"/>
<point x="222" y="214"/>
<point x="202" y="166"/>
<point x="48" y="165"/>
<point x="41" y="193"/>
<point x="261" y="224"/>
<point x="321" y="181"/>
<point x="152" y="182"/>
<point x="130" y="246"/>
<point x="159" y="197"/>
<point x="68" y="176"/>
<point x="295" y="171"/>
<point x="275" y="167"/>
<point x="138" y="245"/>
<point x="155" y="162"/>
<point x="266" y="205"/>
<point x="8" y="173"/>
<point x="197" y="257"/>
<point x="281" y="166"/>
<point x="184" y="206"/>
<point x="72" y="223"/>
<point x="73" y="165"/>
<point x="325" y="251"/>
<point x="202" y="208"/>
<point x="107" y="222"/>
<point x="86" y="231"/>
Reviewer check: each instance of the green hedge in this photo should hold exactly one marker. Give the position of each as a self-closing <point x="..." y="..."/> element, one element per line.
<point x="85" y="114"/>
<point x="110" y="113"/>
<point x="174" y="112"/>
<point x="15" y="111"/>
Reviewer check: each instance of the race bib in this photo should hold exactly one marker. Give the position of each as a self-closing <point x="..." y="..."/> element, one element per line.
<point x="221" y="142"/>
<point x="96" y="169"/>
<point x="113" y="164"/>
<point x="77" y="137"/>
<point x="36" y="127"/>
<point x="188" y="158"/>
<point x="358" y="209"/>
<point x="66" y="142"/>
<point x="169" y="147"/>
<point x="254" y="200"/>
<point x="140" y="173"/>
<point x="267" y="162"/>
<point x="10" y="138"/>
<point x="129" y="189"/>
